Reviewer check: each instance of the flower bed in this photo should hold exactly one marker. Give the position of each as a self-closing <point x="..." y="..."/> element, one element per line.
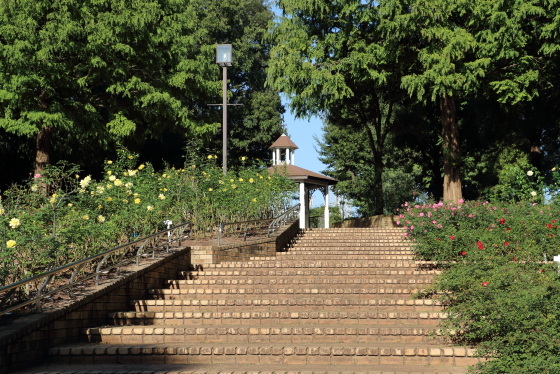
<point x="501" y="287"/>
<point x="63" y="216"/>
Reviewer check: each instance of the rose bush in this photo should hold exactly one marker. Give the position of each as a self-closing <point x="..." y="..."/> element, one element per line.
<point x="63" y="216"/>
<point x="501" y="289"/>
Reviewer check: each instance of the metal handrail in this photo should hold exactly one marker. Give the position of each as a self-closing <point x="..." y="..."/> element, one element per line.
<point x="283" y="218"/>
<point x="176" y="232"/>
<point x="274" y="223"/>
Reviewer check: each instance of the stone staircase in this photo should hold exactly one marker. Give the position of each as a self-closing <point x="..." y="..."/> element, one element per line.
<point x="337" y="301"/>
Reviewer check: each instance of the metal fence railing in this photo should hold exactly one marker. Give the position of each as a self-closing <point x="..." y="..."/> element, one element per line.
<point x="108" y="260"/>
<point x="256" y="229"/>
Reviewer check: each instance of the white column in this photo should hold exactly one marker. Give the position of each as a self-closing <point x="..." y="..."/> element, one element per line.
<point x="294" y="157"/>
<point x="287" y="156"/>
<point x="278" y="159"/>
<point x="327" y="213"/>
<point x="302" y="205"/>
<point x="273" y="157"/>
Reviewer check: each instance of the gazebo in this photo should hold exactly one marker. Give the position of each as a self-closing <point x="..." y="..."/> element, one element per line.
<point x="283" y="151"/>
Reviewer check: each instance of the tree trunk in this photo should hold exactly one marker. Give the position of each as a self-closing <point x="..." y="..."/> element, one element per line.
<point x="451" y="150"/>
<point x="378" y="184"/>
<point x="43" y="149"/>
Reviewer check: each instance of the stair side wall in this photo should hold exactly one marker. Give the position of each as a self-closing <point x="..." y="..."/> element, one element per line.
<point x="26" y="341"/>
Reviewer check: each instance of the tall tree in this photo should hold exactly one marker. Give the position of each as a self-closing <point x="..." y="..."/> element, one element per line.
<point x="502" y="50"/>
<point x="116" y="71"/>
<point x="330" y="58"/>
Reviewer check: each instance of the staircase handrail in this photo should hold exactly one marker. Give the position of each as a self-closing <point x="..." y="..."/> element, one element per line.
<point x="275" y="223"/>
<point x="175" y="233"/>
<point x="282" y="219"/>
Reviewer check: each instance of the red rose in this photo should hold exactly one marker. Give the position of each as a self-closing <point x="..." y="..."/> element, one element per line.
<point x="452" y="237"/>
<point x="502" y="221"/>
<point x="463" y="253"/>
<point x="549" y="226"/>
<point x="484" y="284"/>
<point x="506" y="243"/>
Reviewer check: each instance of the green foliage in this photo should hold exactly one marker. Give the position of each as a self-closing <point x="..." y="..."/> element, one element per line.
<point x="501" y="296"/>
<point x="100" y="73"/>
<point x="316" y="215"/>
<point x="517" y="179"/>
<point x="81" y="216"/>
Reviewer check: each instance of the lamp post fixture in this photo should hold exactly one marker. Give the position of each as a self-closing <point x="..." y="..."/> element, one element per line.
<point x="224" y="58"/>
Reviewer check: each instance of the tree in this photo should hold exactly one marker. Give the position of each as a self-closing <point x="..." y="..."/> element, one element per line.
<point x="330" y="58"/>
<point x="501" y="50"/>
<point x="119" y="72"/>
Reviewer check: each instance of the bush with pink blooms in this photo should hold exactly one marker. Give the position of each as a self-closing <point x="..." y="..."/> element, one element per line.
<point x="501" y="288"/>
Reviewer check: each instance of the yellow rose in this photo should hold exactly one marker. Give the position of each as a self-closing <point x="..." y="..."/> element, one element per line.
<point x="150" y="208"/>
<point x="85" y="216"/>
<point x="209" y="157"/>
<point x="241" y="179"/>
<point x="109" y="162"/>
<point x="251" y="180"/>
<point x="100" y="219"/>
<point x="14" y="223"/>
<point x="141" y="167"/>
<point x="109" y="172"/>
<point x="11" y="243"/>
<point x="210" y="190"/>
<point x="137" y="201"/>
<point x="109" y="199"/>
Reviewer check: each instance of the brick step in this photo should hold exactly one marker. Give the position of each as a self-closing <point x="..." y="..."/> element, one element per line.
<point x="327" y="257"/>
<point x="309" y="273"/>
<point x="366" y="250"/>
<point x="262" y="334"/>
<point x="275" y="293"/>
<point x="318" y="282"/>
<point x="352" y="242"/>
<point x="327" y="264"/>
<point x="357" y="230"/>
<point x="331" y="354"/>
<point x="334" y="237"/>
<point x="293" y="305"/>
<point x="240" y="369"/>
<point x="283" y="318"/>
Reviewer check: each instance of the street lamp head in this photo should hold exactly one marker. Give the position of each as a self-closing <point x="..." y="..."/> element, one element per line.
<point x="224" y="55"/>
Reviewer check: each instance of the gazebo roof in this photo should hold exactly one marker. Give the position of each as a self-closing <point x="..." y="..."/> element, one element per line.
<point x="283" y="142"/>
<point x="302" y="175"/>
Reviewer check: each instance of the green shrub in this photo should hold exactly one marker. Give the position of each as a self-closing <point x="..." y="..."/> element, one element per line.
<point x="63" y="216"/>
<point x="502" y="296"/>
